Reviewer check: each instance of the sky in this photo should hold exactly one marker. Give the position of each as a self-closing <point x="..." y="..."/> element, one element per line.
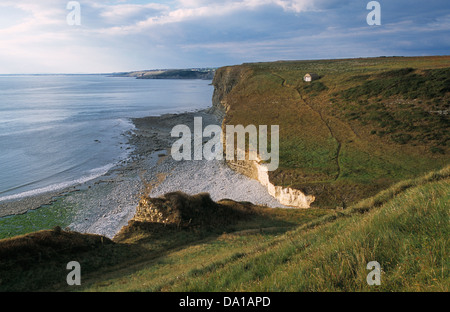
<point x="43" y="36"/>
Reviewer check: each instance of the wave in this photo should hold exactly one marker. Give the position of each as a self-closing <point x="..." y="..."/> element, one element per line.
<point x="93" y="174"/>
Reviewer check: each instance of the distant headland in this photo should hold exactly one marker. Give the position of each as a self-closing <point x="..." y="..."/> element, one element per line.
<point x="190" y="73"/>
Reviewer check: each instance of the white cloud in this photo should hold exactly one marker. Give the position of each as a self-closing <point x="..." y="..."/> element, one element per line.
<point x="118" y="33"/>
<point x="123" y="12"/>
<point x="296" y="6"/>
<point x="38" y="15"/>
<point x="188" y="10"/>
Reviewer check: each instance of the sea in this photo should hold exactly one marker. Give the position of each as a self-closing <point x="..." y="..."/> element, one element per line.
<point x="57" y="131"/>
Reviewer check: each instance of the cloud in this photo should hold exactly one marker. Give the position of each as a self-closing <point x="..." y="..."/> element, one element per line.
<point x="123" y="13"/>
<point x="135" y="34"/>
<point x="191" y="10"/>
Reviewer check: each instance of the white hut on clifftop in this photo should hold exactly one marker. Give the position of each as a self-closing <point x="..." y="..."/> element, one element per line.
<point x="310" y="77"/>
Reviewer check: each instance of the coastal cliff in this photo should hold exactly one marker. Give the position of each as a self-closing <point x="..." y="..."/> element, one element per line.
<point x="368" y="140"/>
<point x="193" y="73"/>
<point x="255" y="169"/>
<point x="225" y="81"/>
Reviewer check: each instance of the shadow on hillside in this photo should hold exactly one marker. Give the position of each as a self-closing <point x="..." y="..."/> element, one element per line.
<point x="38" y="261"/>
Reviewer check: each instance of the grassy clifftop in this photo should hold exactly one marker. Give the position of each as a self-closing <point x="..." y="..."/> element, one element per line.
<point x="364" y="125"/>
<point x="194" y="73"/>
<point x="161" y="230"/>
<point x="404" y="228"/>
<point x="370" y="136"/>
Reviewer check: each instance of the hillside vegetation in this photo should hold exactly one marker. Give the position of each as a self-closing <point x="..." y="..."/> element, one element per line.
<point x="369" y="139"/>
<point x="194" y="73"/>
<point x="363" y="126"/>
<point x="405" y="228"/>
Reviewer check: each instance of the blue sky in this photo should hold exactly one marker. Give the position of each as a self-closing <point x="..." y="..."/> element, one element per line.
<point x="121" y="35"/>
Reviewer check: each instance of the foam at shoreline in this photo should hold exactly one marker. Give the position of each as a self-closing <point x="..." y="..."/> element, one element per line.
<point x="108" y="203"/>
<point x="97" y="172"/>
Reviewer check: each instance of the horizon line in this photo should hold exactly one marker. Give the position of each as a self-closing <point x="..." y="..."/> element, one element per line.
<point x="215" y="67"/>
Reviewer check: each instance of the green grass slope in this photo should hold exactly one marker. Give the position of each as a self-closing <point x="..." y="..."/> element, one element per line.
<point x="406" y="229"/>
<point x="362" y="138"/>
<point x="408" y="235"/>
<point x="363" y="126"/>
<point x="37" y="261"/>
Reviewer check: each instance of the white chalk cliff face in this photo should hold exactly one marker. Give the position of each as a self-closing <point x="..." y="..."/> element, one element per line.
<point x="224" y="81"/>
<point x="286" y="196"/>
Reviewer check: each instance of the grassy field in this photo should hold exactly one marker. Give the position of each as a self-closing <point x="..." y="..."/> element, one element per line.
<point x="405" y="228"/>
<point x="363" y="126"/>
<point x="369" y="139"/>
<point x="38" y="261"/>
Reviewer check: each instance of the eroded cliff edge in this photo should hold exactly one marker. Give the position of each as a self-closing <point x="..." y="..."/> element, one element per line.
<point x="227" y="82"/>
<point x="225" y="79"/>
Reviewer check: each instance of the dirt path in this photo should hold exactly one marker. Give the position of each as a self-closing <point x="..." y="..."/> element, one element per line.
<point x="339" y="143"/>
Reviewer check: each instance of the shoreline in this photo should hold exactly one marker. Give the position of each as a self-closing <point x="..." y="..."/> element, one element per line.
<point x="105" y="204"/>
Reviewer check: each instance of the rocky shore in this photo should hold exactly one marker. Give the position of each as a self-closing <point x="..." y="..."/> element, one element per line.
<point x="106" y="204"/>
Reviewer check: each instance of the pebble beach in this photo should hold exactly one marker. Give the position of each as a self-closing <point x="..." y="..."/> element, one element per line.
<point x="106" y="204"/>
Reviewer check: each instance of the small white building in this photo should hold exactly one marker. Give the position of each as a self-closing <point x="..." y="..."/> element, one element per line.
<point x="310" y="77"/>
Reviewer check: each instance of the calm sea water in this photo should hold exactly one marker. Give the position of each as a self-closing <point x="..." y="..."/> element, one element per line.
<point x="60" y="130"/>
